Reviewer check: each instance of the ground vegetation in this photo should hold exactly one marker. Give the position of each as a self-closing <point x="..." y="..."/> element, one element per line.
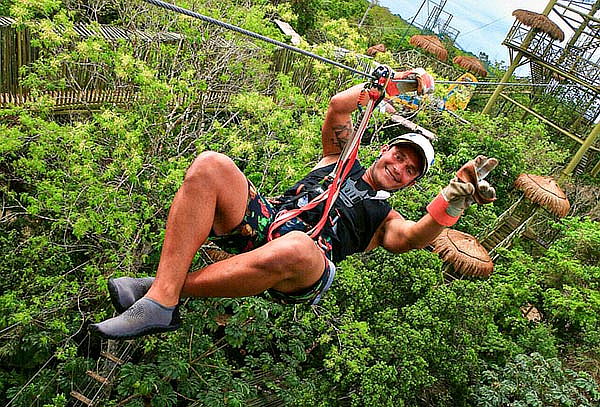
<point x="85" y="196"/>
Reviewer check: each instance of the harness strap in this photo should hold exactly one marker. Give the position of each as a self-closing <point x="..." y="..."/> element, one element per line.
<point x="344" y="164"/>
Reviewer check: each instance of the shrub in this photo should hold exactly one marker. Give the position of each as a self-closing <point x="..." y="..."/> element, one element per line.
<point x="532" y="380"/>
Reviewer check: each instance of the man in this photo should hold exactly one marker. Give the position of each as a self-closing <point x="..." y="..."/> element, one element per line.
<point x="217" y="200"/>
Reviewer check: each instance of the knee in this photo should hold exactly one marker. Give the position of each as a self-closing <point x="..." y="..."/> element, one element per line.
<point x="208" y="166"/>
<point x="293" y="253"/>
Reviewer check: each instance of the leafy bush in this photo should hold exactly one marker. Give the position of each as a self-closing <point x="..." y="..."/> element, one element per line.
<point x="532" y="380"/>
<point x="85" y="197"/>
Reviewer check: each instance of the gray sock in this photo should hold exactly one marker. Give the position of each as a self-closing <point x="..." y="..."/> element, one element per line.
<point x="125" y="291"/>
<point x="144" y="317"/>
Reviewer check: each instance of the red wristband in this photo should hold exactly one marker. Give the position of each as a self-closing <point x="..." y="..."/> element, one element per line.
<point x="437" y="210"/>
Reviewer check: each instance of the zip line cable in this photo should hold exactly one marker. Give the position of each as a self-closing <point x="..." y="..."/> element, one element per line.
<point x="181" y="10"/>
<point x="481" y="27"/>
<point x="496" y="83"/>
<point x="252" y="34"/>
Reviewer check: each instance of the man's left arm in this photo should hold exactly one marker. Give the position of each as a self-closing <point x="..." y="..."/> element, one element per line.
<point x="467" y="187"/>
<point x="400" y="235"/>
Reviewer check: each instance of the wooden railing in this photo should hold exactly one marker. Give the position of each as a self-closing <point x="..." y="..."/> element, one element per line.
<point x="71" y="98"/>
<point x="94" y="99"/>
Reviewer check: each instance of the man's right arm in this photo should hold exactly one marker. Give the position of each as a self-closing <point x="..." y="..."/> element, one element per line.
<point x="337" y="127"/>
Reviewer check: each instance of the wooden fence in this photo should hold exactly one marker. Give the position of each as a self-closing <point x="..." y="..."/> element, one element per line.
<point x="71" y="99"/>
<point x="413" y="58"/>
<point x="65" y="100"/>
<point x="15" y="52"/>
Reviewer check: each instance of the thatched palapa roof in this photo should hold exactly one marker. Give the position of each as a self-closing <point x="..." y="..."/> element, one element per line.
<point x="545" y="192"/>
<point x="431" y="44"/>
<point x="470" y="64"/>
<point x="541" y="22"/>
<point x="464" y="252"/>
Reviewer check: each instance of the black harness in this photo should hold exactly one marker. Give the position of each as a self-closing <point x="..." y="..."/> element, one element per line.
<point x="353" y="218"/>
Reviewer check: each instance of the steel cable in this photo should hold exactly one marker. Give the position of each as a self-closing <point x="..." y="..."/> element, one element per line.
<point x="184" y="11"/>
<point x="252" y="34"/>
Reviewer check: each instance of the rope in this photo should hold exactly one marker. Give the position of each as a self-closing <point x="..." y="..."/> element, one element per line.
<point x="30" y="380"/>
<point x="252" y="34"/>
<point x="497" y="83"/>
<point x="181" y="10"/>
<point x="123" y="355"/>
<point x="348" y="156"/>
<point x="339" y="175"/>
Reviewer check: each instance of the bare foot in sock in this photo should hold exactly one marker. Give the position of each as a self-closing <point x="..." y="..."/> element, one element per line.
<point x="144" y="317"/>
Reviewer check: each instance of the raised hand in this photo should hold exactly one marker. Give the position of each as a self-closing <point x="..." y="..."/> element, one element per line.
<point x="469" y="186"/>
<point x="424" y="83"/>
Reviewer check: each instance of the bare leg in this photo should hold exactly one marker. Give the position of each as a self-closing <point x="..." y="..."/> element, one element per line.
<point x="213" y="195"/>
<point x="289" y="263"/>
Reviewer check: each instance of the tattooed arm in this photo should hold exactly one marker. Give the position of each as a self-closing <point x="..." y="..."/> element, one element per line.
<point x="337" y="127"/>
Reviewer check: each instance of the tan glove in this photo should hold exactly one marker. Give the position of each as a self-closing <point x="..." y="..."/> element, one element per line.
<point x="423" y="85"/>
<point x="463" y="190"/>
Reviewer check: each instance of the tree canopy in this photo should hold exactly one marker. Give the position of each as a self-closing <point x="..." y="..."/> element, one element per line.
<point x="85" y="195"/>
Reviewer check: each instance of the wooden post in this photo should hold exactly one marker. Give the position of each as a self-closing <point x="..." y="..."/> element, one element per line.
<point x="579" y="31"/>
<point x="362" y="20"/>
<point x="548" y="122"/>
<point x="596" y="170"/>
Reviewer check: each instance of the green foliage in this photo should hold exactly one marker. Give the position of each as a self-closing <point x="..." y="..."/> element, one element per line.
<point x="582" y="241"/>
<point x="386" y="28"/>
<point x="342" y="34"/>
<point x="572" y="278"/>
<point x="5" y="7"/>
<point x="519" y="147"/>
<point x="25" y="10"/>
<point x="532" y="380"/>
<point x="346" y="9"/>
<point x="563" y="286"/>
<point x="85" y="197"/>
<point x="307" y="12"/>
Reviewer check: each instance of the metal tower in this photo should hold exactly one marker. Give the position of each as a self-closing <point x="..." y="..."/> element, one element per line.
<point x="571" y="65"/>
<point x="437" y="20"/>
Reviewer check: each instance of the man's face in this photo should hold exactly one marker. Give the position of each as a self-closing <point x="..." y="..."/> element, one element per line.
<point x="398" y="167"/>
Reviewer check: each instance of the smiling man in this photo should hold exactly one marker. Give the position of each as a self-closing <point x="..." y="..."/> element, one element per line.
<point x="217" y="201"/>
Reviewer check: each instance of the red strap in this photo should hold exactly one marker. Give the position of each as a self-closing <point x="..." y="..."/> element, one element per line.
<point x="333" y="189"/>
<point x="392" y="89"/>
<point x="437" y="210"/>
<point x="332" y="192"/>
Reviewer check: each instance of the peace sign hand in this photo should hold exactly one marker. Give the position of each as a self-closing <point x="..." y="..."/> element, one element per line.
<point x="474" y="172"/>
<point x="469" y="186"/>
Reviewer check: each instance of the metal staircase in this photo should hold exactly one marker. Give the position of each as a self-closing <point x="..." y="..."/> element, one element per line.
<point x="512" y="223"/>
<point x="580" y="169"/>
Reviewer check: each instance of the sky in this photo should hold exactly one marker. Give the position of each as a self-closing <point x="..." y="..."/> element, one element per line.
<point x="483" y="24"/>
